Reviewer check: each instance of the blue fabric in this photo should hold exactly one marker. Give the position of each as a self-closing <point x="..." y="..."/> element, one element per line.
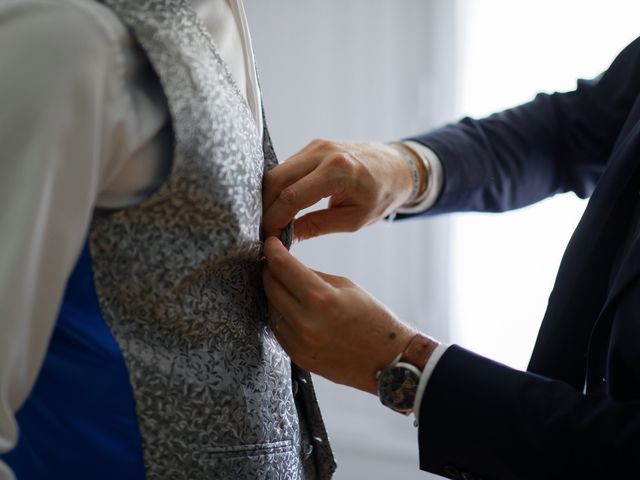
<point x="79" y="422"/>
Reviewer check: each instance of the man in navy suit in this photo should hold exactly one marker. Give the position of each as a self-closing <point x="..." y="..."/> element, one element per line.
<point x="575" y="412"/>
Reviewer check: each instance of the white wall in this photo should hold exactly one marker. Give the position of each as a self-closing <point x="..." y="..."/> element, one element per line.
<point x="365" y="69"/>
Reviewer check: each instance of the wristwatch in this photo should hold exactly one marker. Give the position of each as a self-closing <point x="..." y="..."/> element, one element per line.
<point x="398" y="383"/>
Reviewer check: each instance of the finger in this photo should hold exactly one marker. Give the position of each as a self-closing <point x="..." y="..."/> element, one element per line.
<point x="290" y="272"/>
<point x="278" y="295"/>
<point x="305" y="192"/>
<point x="328" y="220"/>
<point x="314" y="145"/>
<point x="285" y="174"/>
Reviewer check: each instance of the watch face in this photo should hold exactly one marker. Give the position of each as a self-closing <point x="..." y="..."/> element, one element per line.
<point x="397" y="387"/>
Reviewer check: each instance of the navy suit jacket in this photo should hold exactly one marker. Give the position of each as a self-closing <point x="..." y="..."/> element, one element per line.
<point x="480" y="419"/>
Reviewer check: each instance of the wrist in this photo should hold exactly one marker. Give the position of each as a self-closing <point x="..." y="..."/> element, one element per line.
<point x="394" y="344"/>
<point x="419" y="350"/>
<point x="415" y="174"/>
<point x="398" y="382"/>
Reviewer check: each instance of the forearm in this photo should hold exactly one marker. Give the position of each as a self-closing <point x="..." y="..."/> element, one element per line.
<point x="555" y="143"/>
<point x="502" y="162"/>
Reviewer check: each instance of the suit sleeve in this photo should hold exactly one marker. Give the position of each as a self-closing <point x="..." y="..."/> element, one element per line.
<point x="556" y="143"/>
<point x="482" y="420"/>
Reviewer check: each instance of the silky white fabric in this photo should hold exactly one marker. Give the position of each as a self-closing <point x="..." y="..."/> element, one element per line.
<point x="83" y="124"/>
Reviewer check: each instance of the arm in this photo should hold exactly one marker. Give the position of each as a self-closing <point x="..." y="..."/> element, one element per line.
<point x="54" y="62"/>
<point x="556" y="143"/>
<point x="486" y="419"/>
<point x="476" y="417"/>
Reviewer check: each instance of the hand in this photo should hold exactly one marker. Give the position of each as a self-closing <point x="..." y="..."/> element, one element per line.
<point x="327" y="324"/>
<point x="364" y="181"/>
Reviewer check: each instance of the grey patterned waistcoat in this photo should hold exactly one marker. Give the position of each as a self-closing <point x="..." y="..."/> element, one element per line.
<point x="179" y="282"/>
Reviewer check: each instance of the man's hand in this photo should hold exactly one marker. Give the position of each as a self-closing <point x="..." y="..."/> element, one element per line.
<point x="327" y="324"/>
<point x="364" y="181"/>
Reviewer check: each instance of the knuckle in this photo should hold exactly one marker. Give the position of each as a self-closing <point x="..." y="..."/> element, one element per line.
<point x="339" y="161"/>
<point x="321" y="144"/>
<point x="288" y="196"/>
<point x="346" y="172"/>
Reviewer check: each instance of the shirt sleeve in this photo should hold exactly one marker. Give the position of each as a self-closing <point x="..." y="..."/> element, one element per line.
<point x="424" y="378"/>
<point x="56" y="65"/>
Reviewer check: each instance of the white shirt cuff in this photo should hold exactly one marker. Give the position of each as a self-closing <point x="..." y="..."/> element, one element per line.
<point x="424" y="378"/>
<point x="434" y="179"/>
